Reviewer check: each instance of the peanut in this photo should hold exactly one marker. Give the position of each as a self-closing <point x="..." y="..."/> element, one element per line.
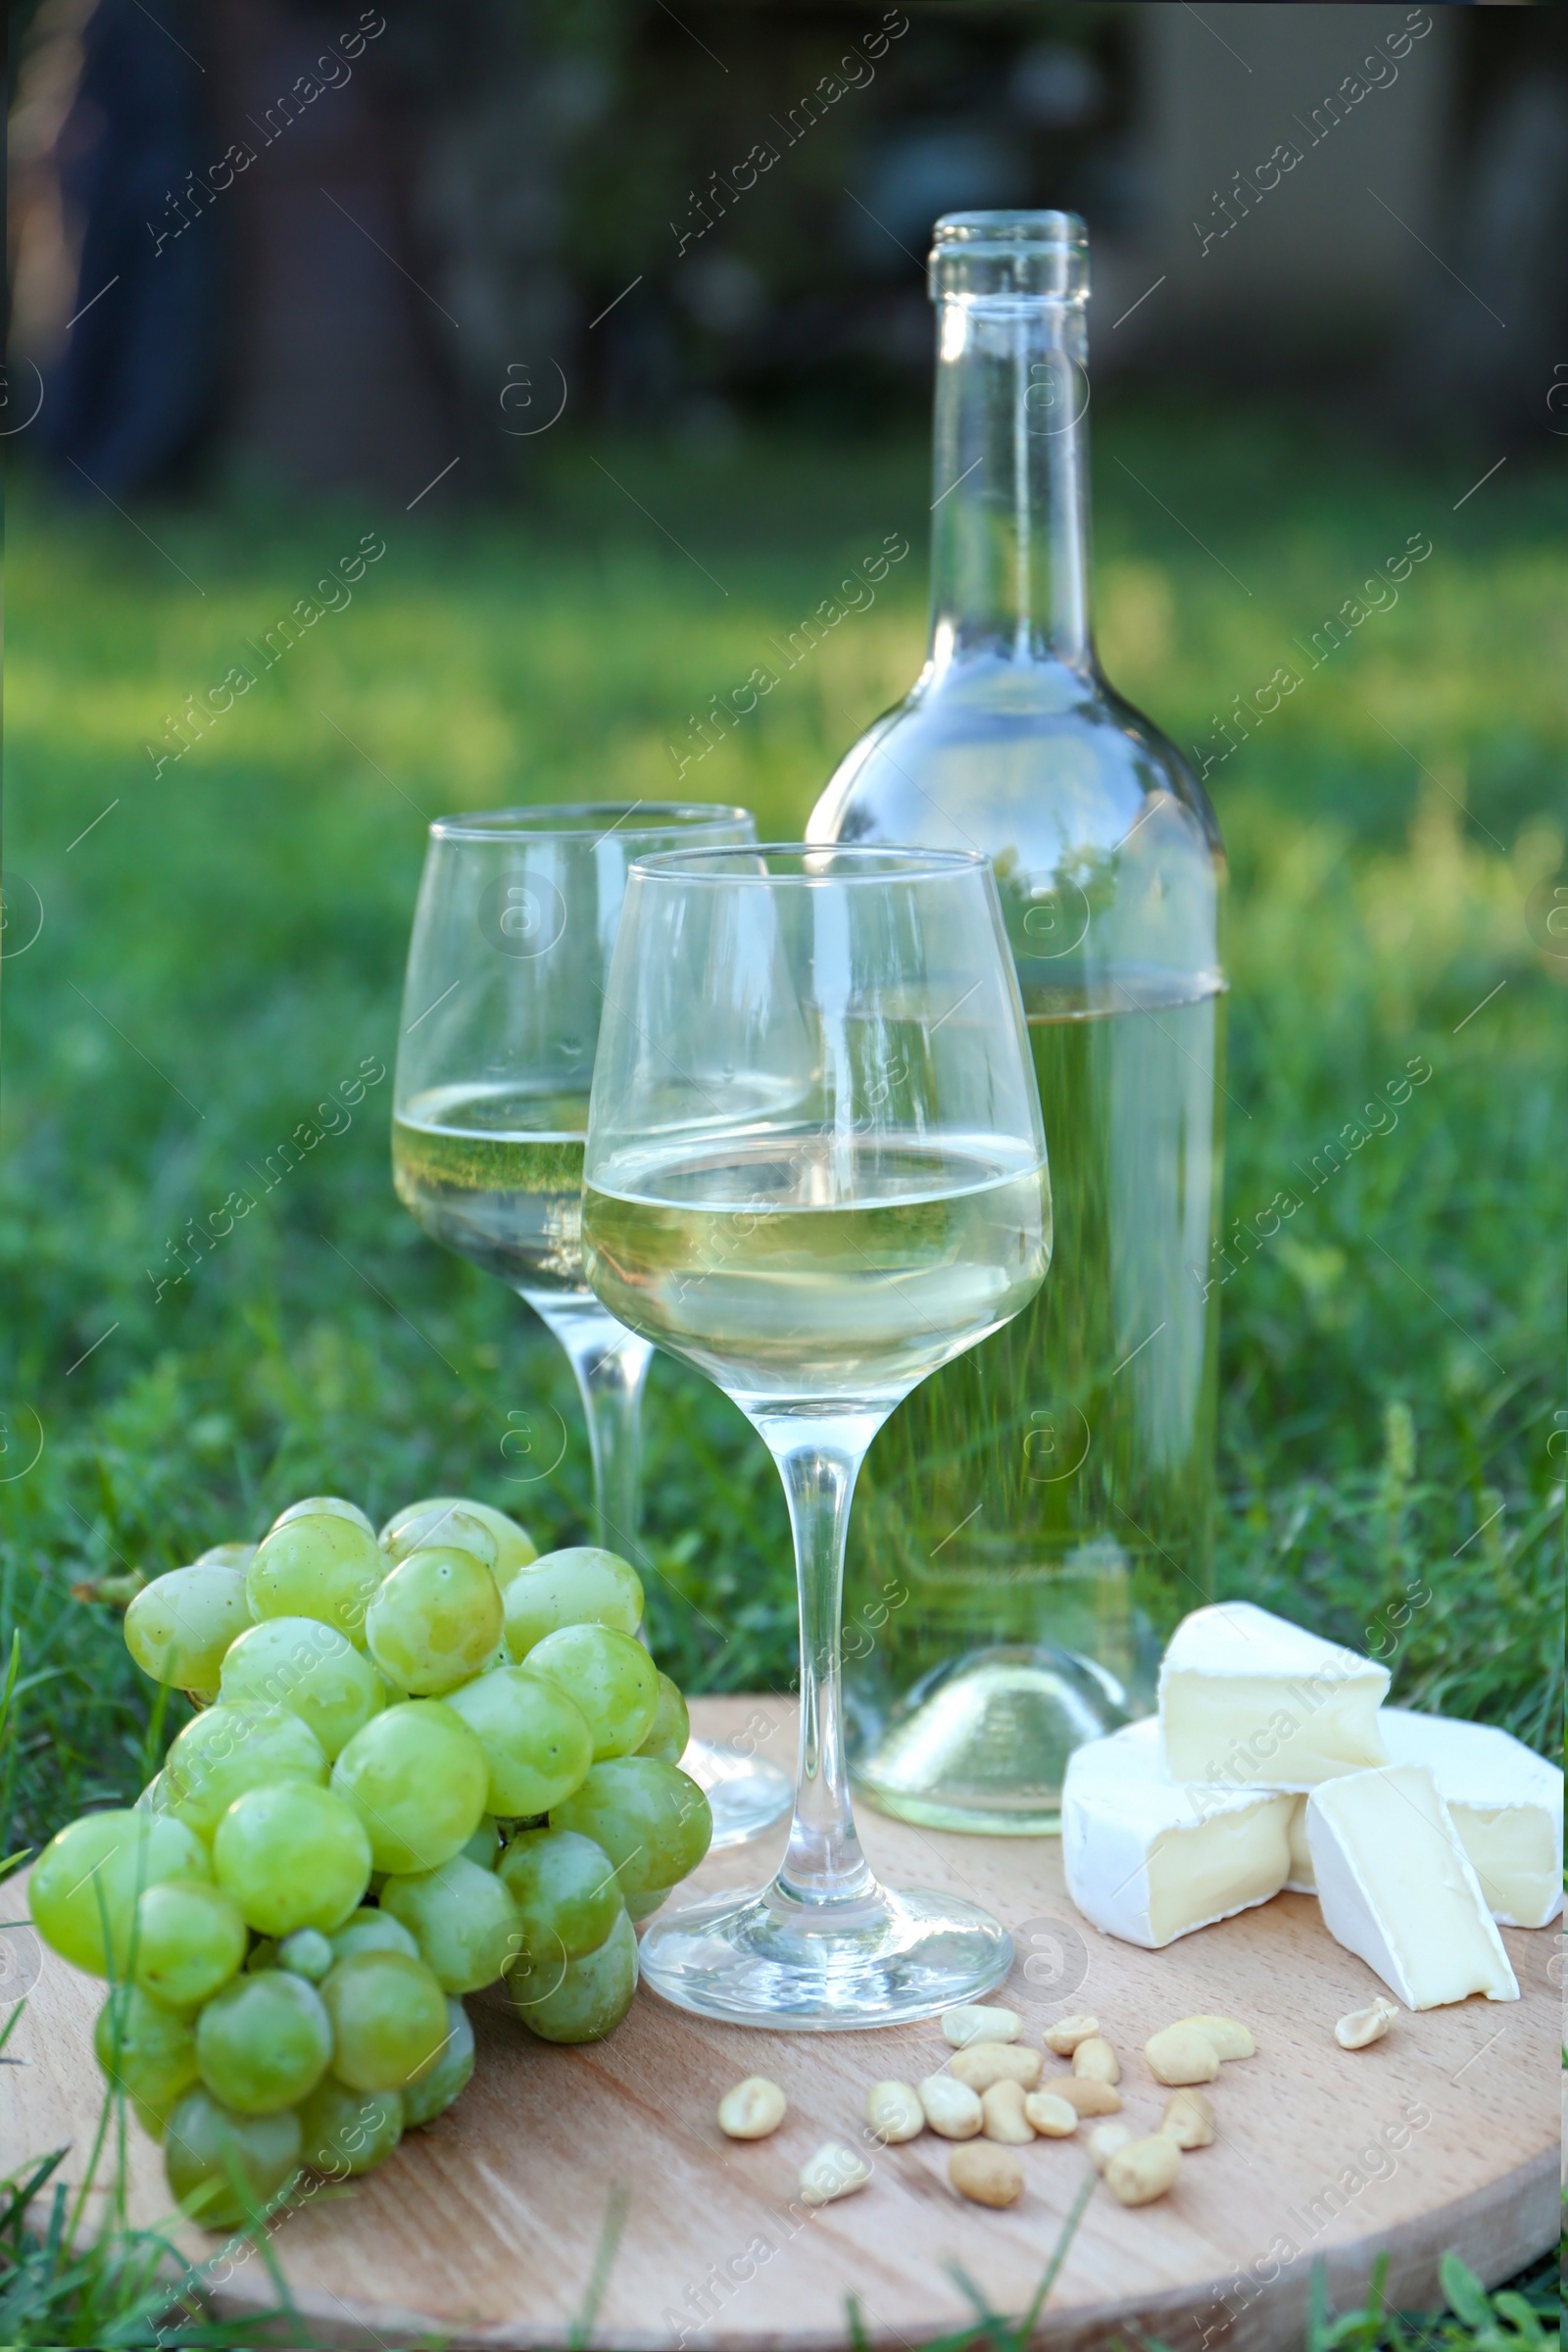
<point x="1052" y="2118"/>
<point x="753" y="2109"/>
<point x="962" y="2026"/>
<point x="951" y="2108"/>
<point x="1003" y="2117"/>
<point x="893" y="2110"/>
<point x="1188" y="2120"/>
<point x="833" y="2172"/>
<point x="1182" y="2054"/>
<point x="986" y="2175"/>
<point x="1084" y="2095"/>
<point x="1103" y="2141"/>
<point x="1364" y="2026"/>
<point x="1069" y="2031"/>
<point x="1230" y="2039"/>
<point x="1096" y="2061"/>
<point x="988" y="2062"/>
<point x="1144" y="2170"/>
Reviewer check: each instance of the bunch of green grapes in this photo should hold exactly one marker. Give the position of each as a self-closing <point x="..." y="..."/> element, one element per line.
<point x="424" y="1762"/>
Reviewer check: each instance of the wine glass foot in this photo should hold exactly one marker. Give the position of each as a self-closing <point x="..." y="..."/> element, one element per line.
<point x="745" y="1795"/>
<point x="767" y="1960"/>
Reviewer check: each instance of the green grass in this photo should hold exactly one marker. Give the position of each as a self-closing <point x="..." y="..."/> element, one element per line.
<point x="224" y="947"/>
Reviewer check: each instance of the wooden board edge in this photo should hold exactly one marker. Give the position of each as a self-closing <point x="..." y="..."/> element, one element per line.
<point x="1496" y="2232"/>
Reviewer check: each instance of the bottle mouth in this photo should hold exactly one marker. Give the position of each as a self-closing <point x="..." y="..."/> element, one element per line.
<point x="976" y="256"/>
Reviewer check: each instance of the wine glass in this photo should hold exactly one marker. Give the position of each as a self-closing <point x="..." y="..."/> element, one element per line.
<point x="511" y="935"/>
<point x="816" y="1169"/>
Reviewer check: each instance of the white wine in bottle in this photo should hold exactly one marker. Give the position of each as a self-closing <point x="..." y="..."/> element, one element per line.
<point x="1030" y="1522"/>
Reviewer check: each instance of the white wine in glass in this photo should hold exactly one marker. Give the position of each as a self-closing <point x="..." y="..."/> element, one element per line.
<point x="516" y="921"/>
<point x="816" y="1169"/>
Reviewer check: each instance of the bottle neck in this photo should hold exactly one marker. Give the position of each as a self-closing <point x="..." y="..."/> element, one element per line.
<point x="1009" y="547"/>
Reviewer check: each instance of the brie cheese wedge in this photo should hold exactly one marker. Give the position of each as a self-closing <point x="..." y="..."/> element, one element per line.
<point x="1397" y="1887"/>
<point x="1507" y="1803"/>
<point x="1301" y="1880"/>
<point x="1148" y="1859"/>
<point x="1251" y="1701"/>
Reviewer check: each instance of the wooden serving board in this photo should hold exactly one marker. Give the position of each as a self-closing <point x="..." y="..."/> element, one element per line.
<point x="483" y="2231"/>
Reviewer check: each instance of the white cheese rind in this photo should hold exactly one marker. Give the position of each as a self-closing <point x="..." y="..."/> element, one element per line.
<point x="1248" y="1700"/>
<point x="1507" y="1803"/>
<point x="1148" y="1859"/>
<point x="1398" y="1888"/>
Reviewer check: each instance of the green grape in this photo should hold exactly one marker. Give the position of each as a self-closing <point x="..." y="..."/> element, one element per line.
<point x="582" y="1586"/>
<point x="292" y="1857"/>
<point x="323" y="1566"/>
<point x="90" y="1877"/>
<point x="154" y="1798"/>
<point x="485" y="1847"/>
<point x="145" y="2048"/>
<point x="389" y="2019"/>
<point x="416" y="1777"/>
<point x="306" y="1953"/>
<point x="372" y="1932"/>
<point x="652" y="1821"/>
<point x="223" y="2168"/>
<point x="190" y="1939"/>
<point x="515" y="1548"/>
<point x="612" y="1678"/>
<point x="229" y="1749"/>
<point x="536" y="1740"/>
<point x="671" y="1728"/>
<point x="179" y="1627"/>
<point x="323" y="1506"/>
<point x="435" y="1621"/>
<point x="580" y="2000"/>
<point x="226" y="1556"/>
<point x="564" y="1892"/>
<point x="440" y="2085"/>
<point x="263" y="1955"/>
<point x="447" y="1528"/>
<point x="346" y="2131"/>
<point x="309" y="1669"/>
<point x="462" y="1919"/>
<point x="264" y="2042"/>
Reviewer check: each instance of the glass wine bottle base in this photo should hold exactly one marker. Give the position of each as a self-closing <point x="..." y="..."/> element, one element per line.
<point x="885" y="1959"/>
<point x="982" y="1744"/>
<point x="744" y="1795"/>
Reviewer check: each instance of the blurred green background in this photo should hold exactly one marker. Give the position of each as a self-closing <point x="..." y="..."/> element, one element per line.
<point x="222" y="946"/>
<point x="363" y="336"/>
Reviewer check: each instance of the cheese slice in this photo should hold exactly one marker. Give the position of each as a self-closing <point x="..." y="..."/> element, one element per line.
<point x="1507" y="1803"/>
<point x="1397" y="1887"/>
<point x="1301" y="1880"/>
<point x="1148" y="1859"/>
<point x="1252" y="1701"/>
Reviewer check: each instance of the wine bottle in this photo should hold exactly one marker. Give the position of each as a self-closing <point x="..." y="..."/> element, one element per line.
<point x="1030" y="1522"/>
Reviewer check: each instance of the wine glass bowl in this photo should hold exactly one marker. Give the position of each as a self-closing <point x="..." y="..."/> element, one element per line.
<point x="516" y="921"/>
<point x="815" y="1171"/>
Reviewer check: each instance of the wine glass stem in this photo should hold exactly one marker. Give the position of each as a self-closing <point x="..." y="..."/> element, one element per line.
<point x="611" y="1378"/>
<point x="823" y="1862"/>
